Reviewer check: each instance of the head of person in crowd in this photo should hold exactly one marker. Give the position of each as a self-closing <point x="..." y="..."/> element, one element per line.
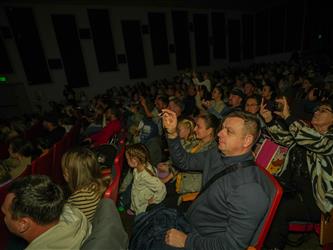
<point x="80" y="170"/>
<point x="249" y="88"/>
<point x="306" y="84"/>
<point x="161" y="102"/>
<point x="322" y="119"/>
<point x="218" y="93"/>
<point x="111" y="113"/>
<point x="32" y="206"/>
<point x="205" y="76"/>
<point x="236" y="98"/>
<point x="268" y="91"/>
<point x="191" y="90"/>
<point x="170" y="90"/>
<point x="66" y="122"/>
<point x="205" y="127"/>
<point x="176" y="106"/>
<point x="20" y="148"/>
<point x="180" y="93"/>
<point x="239" y="131"/>
<point x="50" y="122"/>
<point x="185" y="128"/>
<point x="252" y="104"/>
<point x="137" y="155"/>
<point x="203" y="93"/>
<point x="42" y="146"/>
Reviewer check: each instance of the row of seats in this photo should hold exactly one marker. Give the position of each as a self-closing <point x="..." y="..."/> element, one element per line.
<point x="262" y="160"/>
<point x="112" y="191"/>
<point x="48" y="164"/>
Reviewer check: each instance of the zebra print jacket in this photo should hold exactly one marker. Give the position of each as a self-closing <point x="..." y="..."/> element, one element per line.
<point x="319" y="156"/>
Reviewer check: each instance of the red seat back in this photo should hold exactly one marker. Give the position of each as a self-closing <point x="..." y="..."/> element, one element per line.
<point x="43" y="165"/>
<point x="59" y="149"/>
<point x="4" y="151"/>
<point x="73" y="135"/>
<point x="274" y="190"/>
<point x="112" y="191"/>
<point x="34" y="131"/>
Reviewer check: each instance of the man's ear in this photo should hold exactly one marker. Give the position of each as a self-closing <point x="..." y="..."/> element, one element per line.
<point x="24" y="224"/>
<point x="248" y="141"/>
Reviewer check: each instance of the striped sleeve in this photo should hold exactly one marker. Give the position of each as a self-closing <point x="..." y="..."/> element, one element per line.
<point x="85" y="200"/>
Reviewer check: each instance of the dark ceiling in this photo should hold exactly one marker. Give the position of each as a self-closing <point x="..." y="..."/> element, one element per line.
<point x="245" y="5"/>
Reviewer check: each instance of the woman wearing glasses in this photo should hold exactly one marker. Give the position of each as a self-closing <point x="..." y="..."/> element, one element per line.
<point x="307" y="171"/>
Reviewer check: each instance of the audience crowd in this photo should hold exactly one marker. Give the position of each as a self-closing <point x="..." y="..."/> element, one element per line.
<point x="180" y="133"/>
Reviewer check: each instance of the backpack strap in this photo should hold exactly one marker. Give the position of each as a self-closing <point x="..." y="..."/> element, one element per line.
<point x="227" y="170"/>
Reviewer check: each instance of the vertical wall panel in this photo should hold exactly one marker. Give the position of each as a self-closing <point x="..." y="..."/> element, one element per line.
<point x="70" y="49"/>
<point x="248" y="36"/>
<point x="201" y="36"/>
<point x="5" y="66"/>
<point x="103" y="39"/>
<point x="262" y="33"/>
<point x="294" y="24"/>
<point x="182" y="39"/>
<point x="277" y="29"/>
<point x="219" y="38"/>
<point x="159" y="38"/>
<point x="134" y="49"/>
<point x="234" y="40"/>
<point x="29" y="44"/>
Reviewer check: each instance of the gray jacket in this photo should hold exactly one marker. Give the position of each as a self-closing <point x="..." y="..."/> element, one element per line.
<point x="228" y="214"/>
<point x="108" y="232"/>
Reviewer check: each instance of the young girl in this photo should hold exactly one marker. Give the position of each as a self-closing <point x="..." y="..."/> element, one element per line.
<point x="81" y="172"/>
<point x="146" y="187"/>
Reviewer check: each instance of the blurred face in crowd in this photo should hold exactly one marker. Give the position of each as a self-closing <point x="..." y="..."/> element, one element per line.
<point x="159" y="104"/>
<point x="248" y="89"/>
<point x="266" y="92"/>
<point x="252" y="106"/>
<point x="322" y="118"/>
<point x="216" y="94"/>
<point x="175" y="108"/>
<point x="201" y="131"/>
<point x="183" y="131"/>
<point x="132" y="161"/>
<point x="234" y="100"/>
<point x="109" y="116"/>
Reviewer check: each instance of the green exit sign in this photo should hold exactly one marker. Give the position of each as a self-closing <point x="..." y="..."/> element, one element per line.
<point x="3" y="79"/>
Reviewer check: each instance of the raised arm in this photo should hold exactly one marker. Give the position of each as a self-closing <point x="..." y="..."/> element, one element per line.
<point x="279" y="134"/>
<point x="180" y="158"/>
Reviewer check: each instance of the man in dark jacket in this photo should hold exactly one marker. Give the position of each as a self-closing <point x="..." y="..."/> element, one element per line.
<point x="228" y="213"/>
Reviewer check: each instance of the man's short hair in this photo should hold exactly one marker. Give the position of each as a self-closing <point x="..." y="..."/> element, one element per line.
<point x="37" y="197"/>
<point x="251" y="123"/>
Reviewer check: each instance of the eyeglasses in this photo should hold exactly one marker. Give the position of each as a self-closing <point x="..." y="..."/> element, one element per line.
<point x="323" y="110"/>
<point x="251" y="105"/>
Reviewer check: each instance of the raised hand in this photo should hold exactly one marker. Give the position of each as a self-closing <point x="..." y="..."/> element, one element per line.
<point x="169" y="119"/>
<point x="264" y="112"/>
<point x="285" y="113"/>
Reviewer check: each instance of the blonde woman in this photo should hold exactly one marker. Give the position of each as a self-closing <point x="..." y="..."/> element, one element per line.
<point x="81" y="172"/>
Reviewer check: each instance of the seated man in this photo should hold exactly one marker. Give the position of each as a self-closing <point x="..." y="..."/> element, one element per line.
<point x="54" y="132"/>
<point x="227" y="214"/>
<point x="35" y="210"/>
